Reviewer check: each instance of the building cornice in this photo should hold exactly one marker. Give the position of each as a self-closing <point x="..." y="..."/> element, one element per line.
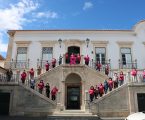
<point x="22" y="43"/>
<point x="120" y="43"/>
<point x="47" y="43"/>
<point x="73" y="42"/>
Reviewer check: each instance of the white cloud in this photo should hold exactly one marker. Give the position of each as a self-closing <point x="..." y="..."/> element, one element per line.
<point x="87" y="5"/>
<point x="48" y="14"/>
<point x="3" y="46"/>
<point x="14" y="18"/>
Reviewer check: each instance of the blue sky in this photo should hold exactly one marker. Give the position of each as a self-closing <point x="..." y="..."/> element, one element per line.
<point x="68" y="14"/>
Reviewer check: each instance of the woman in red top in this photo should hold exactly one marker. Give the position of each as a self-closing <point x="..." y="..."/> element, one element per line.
<point x="72" y="59"/>
<point x="121" y="78"/>
<point x="23" y="76"/>
<point x="53" y="93"/>
<point x="40" y="86"/>
<point x="91" y="93"/>
<point x="134" y="75"/>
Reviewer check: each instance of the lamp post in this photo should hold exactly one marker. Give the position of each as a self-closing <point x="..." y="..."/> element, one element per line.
<point x="59" y="41"/>
<point x="87" y="41"/>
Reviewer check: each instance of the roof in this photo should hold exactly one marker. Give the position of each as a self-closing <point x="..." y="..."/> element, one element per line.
<point x="1" y="57"/>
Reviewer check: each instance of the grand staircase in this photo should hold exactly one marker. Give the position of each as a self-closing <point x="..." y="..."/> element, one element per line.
<point x="40" y="101"/>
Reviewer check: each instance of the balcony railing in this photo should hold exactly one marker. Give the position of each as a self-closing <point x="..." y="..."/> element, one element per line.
<point x="92" y="64"/>
<point x="42" y="63"/>
<point x="127" y="65"/>
<point x="17" y="64"/>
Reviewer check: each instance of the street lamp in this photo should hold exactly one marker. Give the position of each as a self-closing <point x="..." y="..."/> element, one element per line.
<point x="87" y="41"/>
<point x="59" y="41"/>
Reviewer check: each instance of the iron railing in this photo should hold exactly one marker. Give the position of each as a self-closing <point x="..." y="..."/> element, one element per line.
<point x="127" y="65"/>
<point x="17" y="64"/>
<point x="92" y="64"/>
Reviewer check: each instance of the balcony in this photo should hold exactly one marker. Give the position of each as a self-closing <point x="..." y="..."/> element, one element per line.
<point x="17" y="64"/>
<point x="127" y="65"/>
<point x="92" y="64"/>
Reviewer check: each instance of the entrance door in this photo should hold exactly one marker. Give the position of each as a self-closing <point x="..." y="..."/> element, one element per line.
<point x="73" y="97"/>
<point x="141" y="102"/>
<point x="4" y="103"/>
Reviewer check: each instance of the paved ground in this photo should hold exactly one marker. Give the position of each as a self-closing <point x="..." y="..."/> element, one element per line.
<point x="54" y="118"/>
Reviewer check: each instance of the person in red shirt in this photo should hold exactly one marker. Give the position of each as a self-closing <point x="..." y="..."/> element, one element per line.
<point x="53" y="93"/>
<point x="53" y="62"/>
<point x="87" y="59"/>
<point x="121" y="78"/>
<point x="91" y="93"/>
<point x="110" y="84"/>
<point x="47" y="66"/>
<point x="31" y="72"/>
<point x="40" y="86"/>
<point x="23" y="76"/>
<point x="78" y="60"/>
<point x="134" y="75"/>
<point x="72" y="59"/>
<point x="101" y="90"/>
<point x="98" y="65"/>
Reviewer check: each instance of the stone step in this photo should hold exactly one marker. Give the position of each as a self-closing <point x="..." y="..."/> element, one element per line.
<point x="72" y="113"/>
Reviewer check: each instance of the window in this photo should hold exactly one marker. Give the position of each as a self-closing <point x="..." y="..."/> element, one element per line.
<point x="22" y="54"/>
<point x="47" y="53"/>
<point x="100" y="55"/>
<point x="126" y="55"/>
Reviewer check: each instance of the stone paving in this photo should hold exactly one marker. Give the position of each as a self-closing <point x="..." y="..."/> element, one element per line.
<point x="55" y="118"/>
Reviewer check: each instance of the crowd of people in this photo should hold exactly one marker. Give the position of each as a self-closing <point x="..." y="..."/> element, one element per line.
<point x="53" y="92"/>
<point x="94" y="91"/>
<point x="41" y="85"/>
<point x="109" y="84"/>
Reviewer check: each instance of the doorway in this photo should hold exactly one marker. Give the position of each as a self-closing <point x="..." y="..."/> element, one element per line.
<point x="141" y="101"/>
<point x="73" y="97"/>
<point x="4" y="103"/>
<point x="73" y="92"/>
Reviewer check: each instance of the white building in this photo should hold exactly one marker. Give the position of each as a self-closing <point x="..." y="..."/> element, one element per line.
<point x="122" y="47"/>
